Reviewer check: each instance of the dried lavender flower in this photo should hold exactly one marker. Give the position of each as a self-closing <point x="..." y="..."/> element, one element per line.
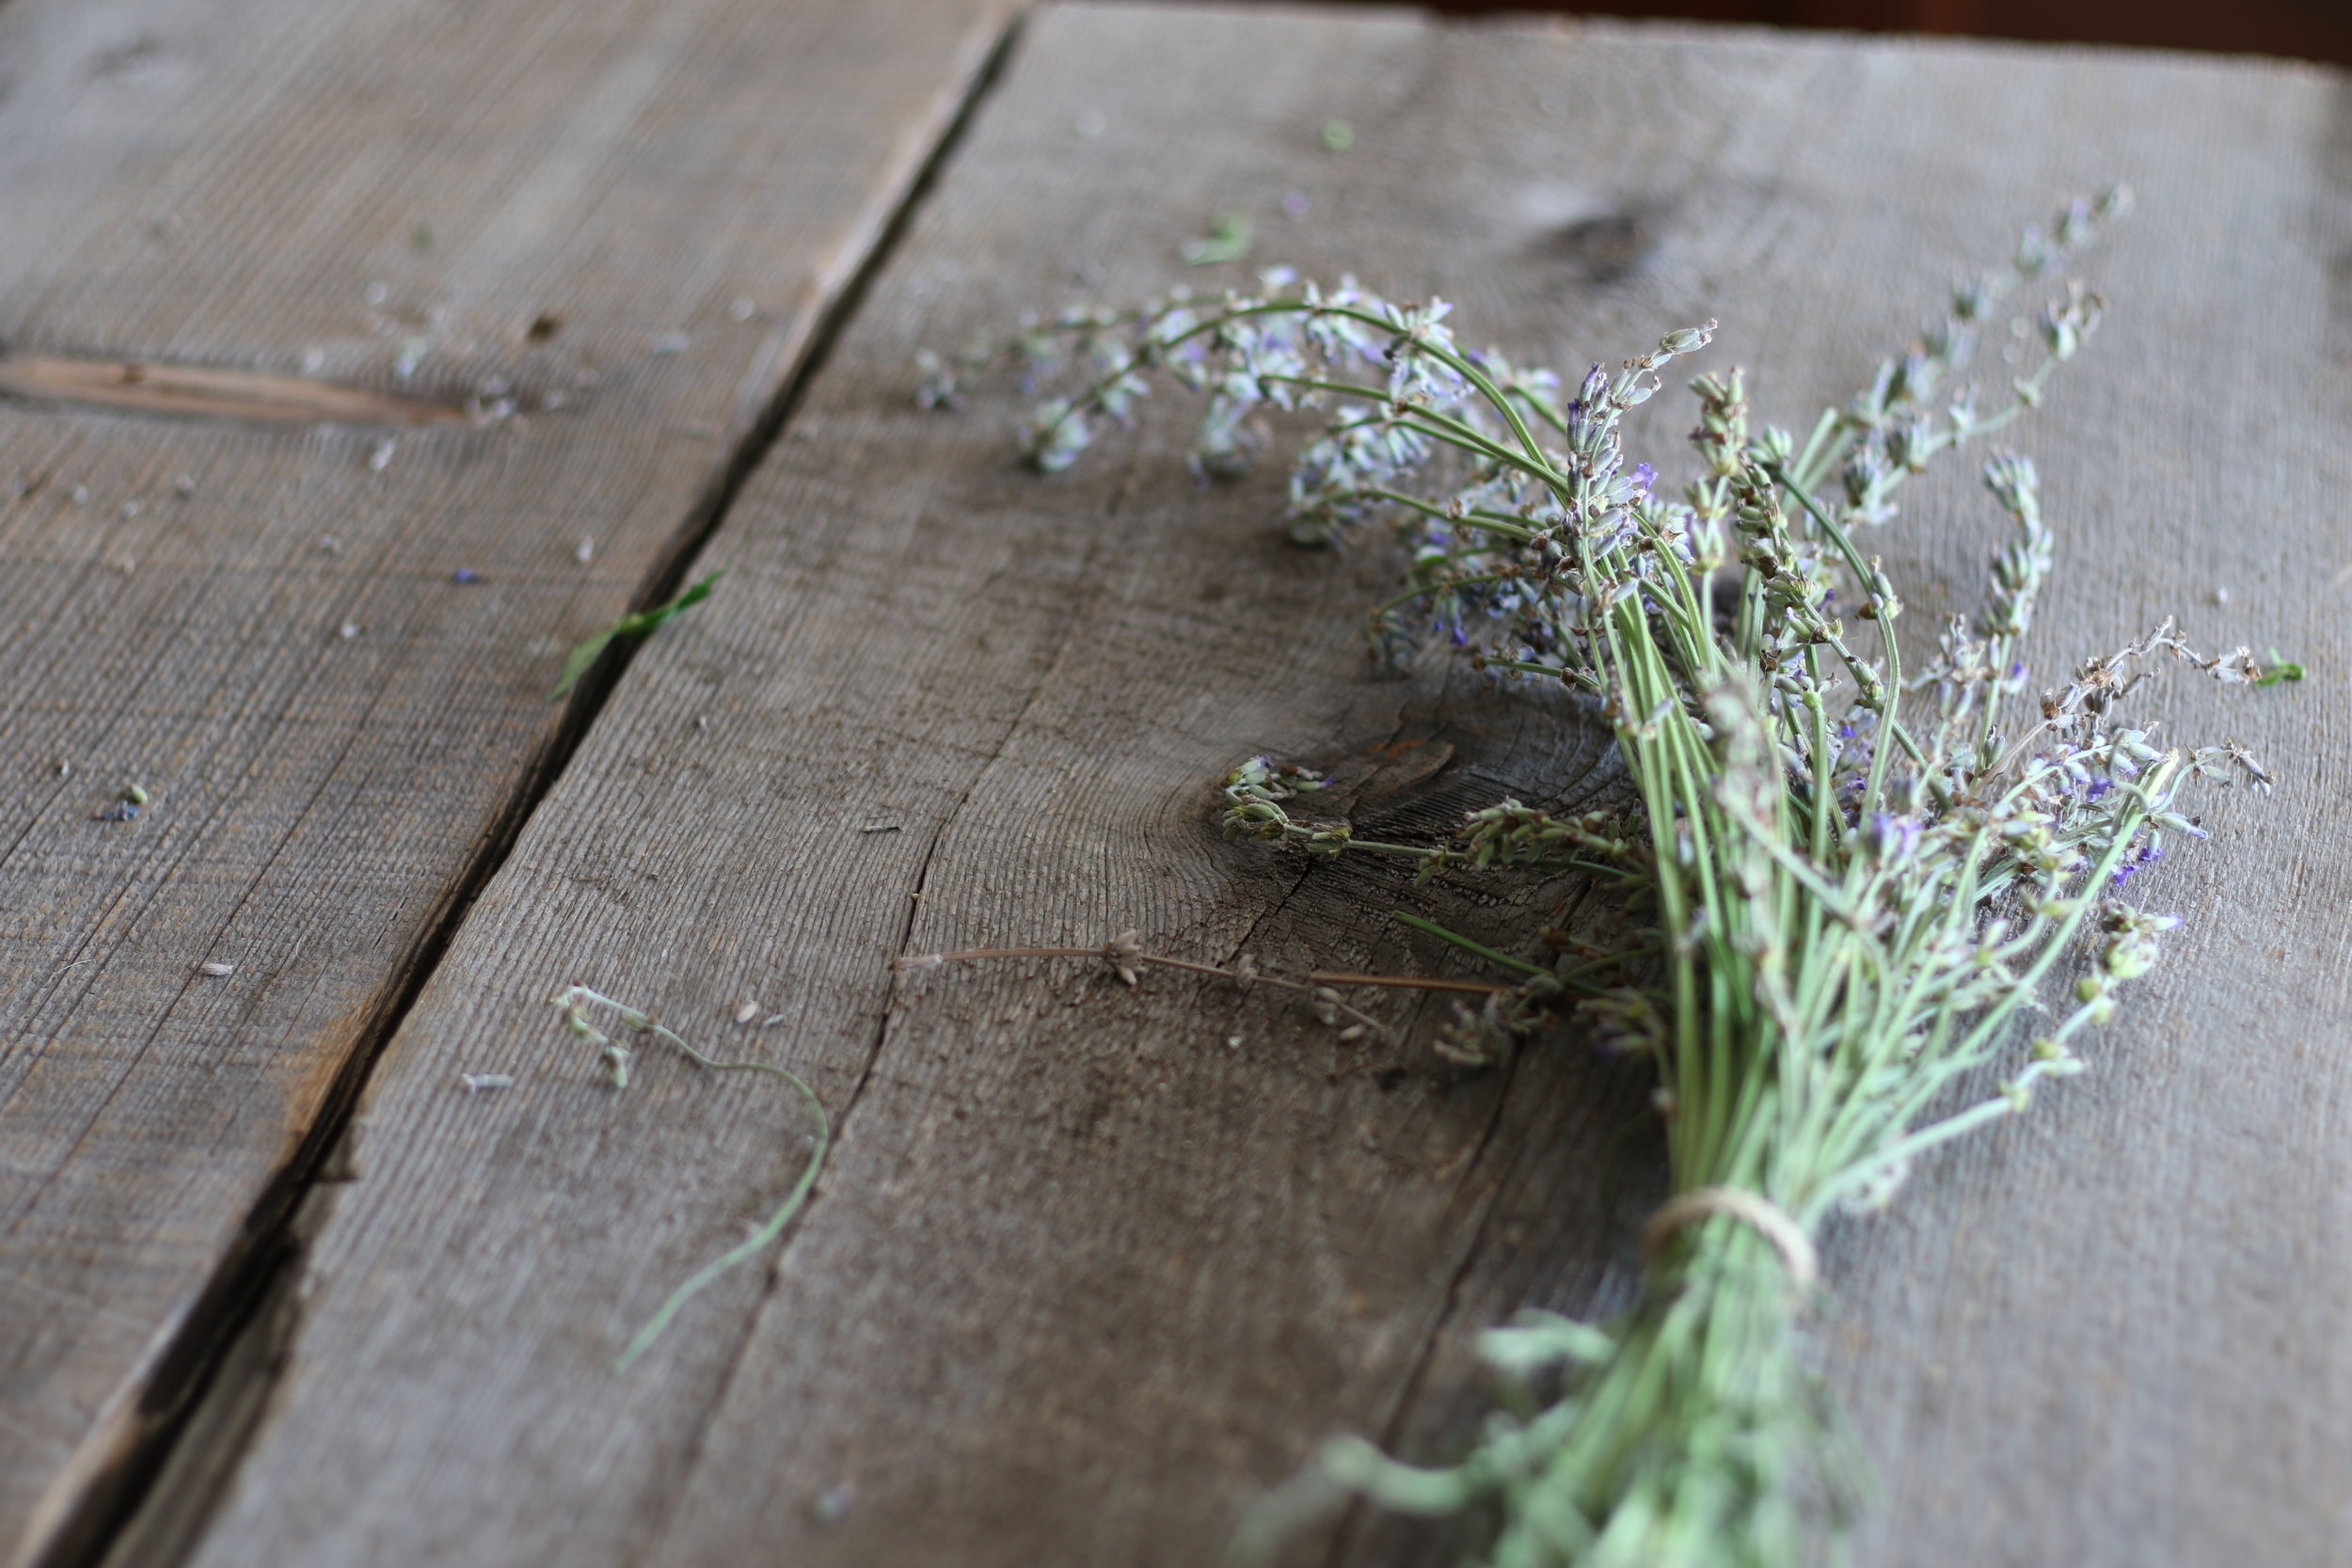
<point x="1865" y="880"/>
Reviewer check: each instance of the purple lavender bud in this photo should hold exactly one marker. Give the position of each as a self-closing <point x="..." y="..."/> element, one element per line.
<point x="1891" y="839"/>
<point x="465" y="574"/>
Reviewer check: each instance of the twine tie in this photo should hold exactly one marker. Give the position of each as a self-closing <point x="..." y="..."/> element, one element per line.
<point x="1759" y="1213"/>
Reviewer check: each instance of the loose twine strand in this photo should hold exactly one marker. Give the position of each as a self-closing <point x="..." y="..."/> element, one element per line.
<point x="1760" y="1214"/>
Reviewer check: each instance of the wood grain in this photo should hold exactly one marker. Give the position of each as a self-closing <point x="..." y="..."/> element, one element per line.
<point x="534" y="221"/>
<point x="1084" y="1275"/>
<point x="200" y="392"/>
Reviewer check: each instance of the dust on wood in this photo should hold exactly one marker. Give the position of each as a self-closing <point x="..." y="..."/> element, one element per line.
<point x="324" y="650"/>
<point x="1083" y="1276"/>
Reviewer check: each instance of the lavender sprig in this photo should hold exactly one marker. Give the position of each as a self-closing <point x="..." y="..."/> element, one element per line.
<point x="1861" y="883"/>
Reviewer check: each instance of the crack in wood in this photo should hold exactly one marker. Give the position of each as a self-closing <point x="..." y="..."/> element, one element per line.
<point x="151" y="1498"/>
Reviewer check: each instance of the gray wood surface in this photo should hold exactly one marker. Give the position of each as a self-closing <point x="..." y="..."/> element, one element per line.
<point x="256" y="261"/>
<point x="1083" y="1276"/>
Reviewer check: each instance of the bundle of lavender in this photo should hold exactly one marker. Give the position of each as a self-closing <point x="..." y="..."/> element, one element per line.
<point x="1860" y="882"/>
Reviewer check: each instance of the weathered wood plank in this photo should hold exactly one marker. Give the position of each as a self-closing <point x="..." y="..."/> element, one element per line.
<point x="1081" y="1277"/>
<point x="278" y="213"/>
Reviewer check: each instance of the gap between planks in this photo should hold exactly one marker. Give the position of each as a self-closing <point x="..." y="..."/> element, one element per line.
<point x="212" y="1377"/>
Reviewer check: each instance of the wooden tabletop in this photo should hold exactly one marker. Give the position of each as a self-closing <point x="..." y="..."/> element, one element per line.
<point x="359" y="360"/>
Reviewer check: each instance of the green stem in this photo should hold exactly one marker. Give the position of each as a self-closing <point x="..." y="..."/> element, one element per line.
<point x="1467" y="944"/>
<point x="759" y="1239"/>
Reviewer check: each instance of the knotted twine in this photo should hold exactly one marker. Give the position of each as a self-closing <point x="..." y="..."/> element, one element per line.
<point x="1760" y="1214"/>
